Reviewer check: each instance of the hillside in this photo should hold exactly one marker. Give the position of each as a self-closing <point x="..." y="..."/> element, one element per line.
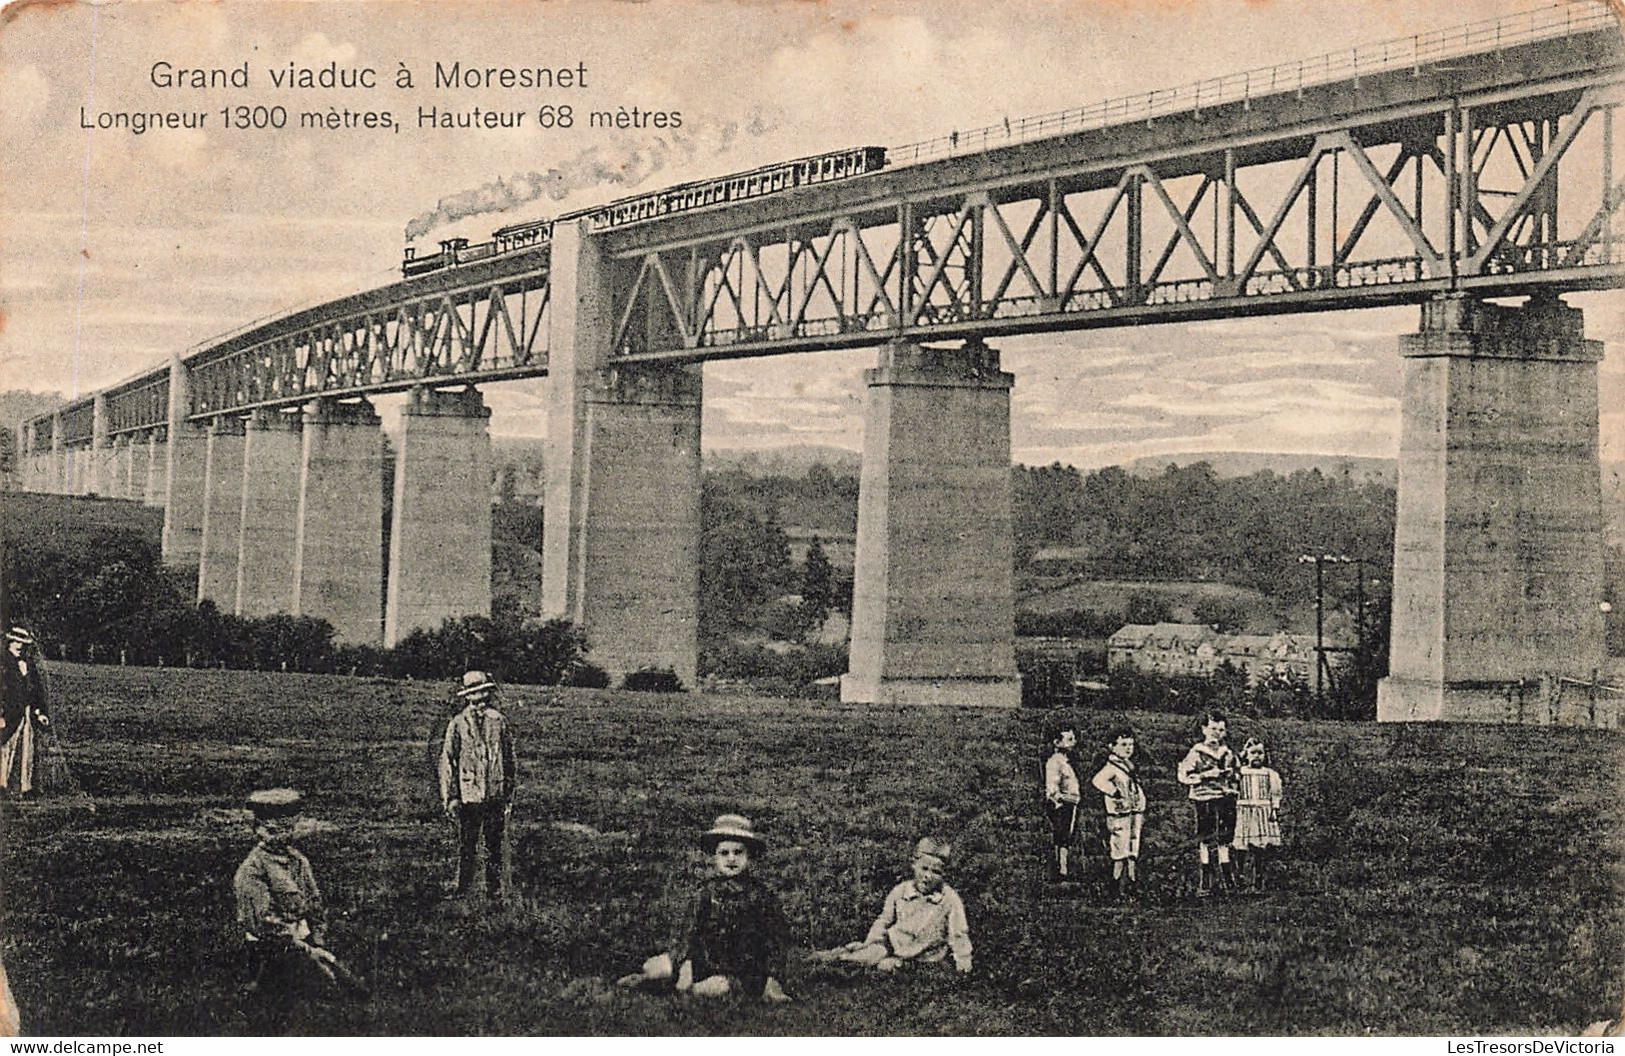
<point x="1058" y="594"/>
<point x="1436" y="880"/>
<point x="787" y="460"/>
<point x="74" y="522"/>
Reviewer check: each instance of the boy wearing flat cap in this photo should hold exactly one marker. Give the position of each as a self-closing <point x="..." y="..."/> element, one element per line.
<point x="734" y="939"/>
<point x="923" y="920"/>
<point x="476" y="781"/>
<point x="279" y="905"/>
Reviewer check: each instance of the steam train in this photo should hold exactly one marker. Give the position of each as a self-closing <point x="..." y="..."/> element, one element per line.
<point x="685" y="197"/>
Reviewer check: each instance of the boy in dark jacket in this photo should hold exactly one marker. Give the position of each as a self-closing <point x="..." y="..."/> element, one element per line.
<point x="734" y="938"/>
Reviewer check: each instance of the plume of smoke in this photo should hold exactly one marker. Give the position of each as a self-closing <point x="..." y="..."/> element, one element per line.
<point x="625" y="162"/>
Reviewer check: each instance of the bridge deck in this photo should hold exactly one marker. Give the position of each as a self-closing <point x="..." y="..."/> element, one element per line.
<point x="1046" y="234"/>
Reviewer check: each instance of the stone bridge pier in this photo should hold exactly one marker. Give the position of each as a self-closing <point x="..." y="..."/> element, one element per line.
<point x="156" y="479"/>
<point x="338" y="567"/>
<point x="440" y="538"/>
<point x="185" y="456"/>
<point x="269" y="520"/>
<point x="1498" y="543"/>
<point x="57" y="461"/>
<point x="620" y="550"/>
<point x="222" y="512"/>
<point x="933" y="609"/>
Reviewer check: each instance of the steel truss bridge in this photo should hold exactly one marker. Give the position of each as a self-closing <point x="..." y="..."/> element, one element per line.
<point x="1480" y="159"/>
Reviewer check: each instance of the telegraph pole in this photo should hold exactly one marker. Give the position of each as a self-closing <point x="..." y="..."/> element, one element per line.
<point x="1322" y="671"/>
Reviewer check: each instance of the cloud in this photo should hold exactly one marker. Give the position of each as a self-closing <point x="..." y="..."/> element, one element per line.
<point x="316" y="51"/>
<point x="1191" y="398"/>
<point x="27" y="93"/>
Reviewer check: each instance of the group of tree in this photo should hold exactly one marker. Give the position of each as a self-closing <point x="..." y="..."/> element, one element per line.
<point x="1055" y="682"/>
<point x="749" y="586"/>
<point x="111" y="600"/>
<point x="1188" y="523"/>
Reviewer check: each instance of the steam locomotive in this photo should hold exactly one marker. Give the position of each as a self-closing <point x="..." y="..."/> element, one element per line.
<point x="685" y="197"/>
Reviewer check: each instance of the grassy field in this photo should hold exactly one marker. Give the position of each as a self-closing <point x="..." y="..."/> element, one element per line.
<point x="68" y="522"/>
<point x="1439" y="880"/>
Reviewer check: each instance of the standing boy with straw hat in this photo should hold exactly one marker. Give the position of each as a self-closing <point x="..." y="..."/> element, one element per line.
<point x="477" y="780"/>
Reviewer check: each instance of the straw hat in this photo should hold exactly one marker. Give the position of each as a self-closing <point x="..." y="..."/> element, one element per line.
<point x="732" y="827"/>
<point x="269" y="803"/>
<point x="476" y="682"/>
<point x="20" y="634"/>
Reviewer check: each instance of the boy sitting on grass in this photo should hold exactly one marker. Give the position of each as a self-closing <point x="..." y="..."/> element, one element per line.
<point x="280" y="909"/>
<point x="923" y="920"/>
<point x="735" y="937"/>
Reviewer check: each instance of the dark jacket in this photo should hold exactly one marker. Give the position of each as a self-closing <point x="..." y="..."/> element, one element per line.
<point x="21" y="694"/>
<point x="735" y="927"/>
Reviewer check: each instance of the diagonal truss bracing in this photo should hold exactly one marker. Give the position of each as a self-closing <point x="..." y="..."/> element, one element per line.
<point x="1495" y="173"/>
<point x="475" y="332"/>
<point x="137" y="407"/>
<point x="1502" y="195"/>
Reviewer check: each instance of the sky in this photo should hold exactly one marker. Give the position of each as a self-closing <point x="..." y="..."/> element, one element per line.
<point x="118" y="250"/>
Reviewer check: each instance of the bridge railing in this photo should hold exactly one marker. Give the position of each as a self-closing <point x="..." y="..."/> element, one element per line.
<point x="1413" y="52"/>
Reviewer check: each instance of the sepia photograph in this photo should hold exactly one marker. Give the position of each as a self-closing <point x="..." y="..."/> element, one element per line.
<point x="603" y="518"/>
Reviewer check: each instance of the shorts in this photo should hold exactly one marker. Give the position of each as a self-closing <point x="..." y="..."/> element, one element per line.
<point x="1063" y="820"/>
<point x="1123" y="835"/>
<point x="1215" y="819"/>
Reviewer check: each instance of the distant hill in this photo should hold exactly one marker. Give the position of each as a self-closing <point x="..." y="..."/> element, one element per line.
<point x="791" y="460"/>
<point x="787" y="460"/>
<point x="73" y="522"/>
<point x="794" y="460"/>
<point x="1246" y="463"/>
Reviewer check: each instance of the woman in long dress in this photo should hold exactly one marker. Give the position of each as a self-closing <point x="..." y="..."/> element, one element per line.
<point x="25" y="713"/>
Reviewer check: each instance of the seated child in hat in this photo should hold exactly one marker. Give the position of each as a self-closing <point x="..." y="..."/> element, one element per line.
<point x="734" y="939"/>
<point x="279" y="905"/>
<point x="923" y="920"/>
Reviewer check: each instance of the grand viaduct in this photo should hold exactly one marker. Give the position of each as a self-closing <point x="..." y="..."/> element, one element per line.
<point x="1442" y="171"/>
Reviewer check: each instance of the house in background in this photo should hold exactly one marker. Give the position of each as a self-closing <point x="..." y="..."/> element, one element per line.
<point x="1195" y="650"/>
<point x="840" y="547"/>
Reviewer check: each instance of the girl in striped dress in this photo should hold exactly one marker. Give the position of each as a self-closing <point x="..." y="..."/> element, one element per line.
<point x="1258" y="823"/>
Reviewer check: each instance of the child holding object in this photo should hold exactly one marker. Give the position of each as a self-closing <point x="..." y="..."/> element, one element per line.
<point x="922" y="922"/>
<point x="1210" y="771"/>
<point x="1258" y="824"/>
<point x="280" y="908"/>
<point x="735" y="936"/>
